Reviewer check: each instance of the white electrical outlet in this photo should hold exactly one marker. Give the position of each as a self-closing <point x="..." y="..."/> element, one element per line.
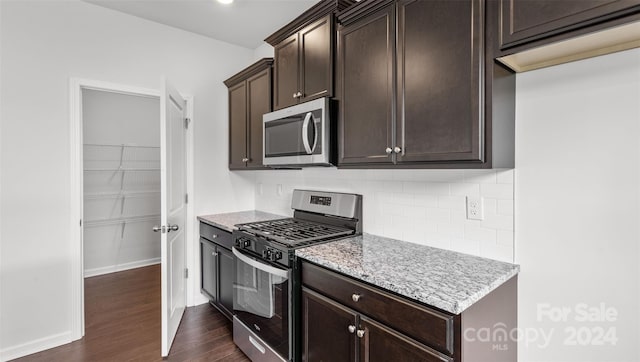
<point x="474" y="208"/>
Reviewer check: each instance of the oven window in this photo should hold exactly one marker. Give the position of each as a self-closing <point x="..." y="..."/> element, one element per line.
<point x="261" y="302"/>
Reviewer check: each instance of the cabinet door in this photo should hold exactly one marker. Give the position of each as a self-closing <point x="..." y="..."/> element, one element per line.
<point x="259" y="103"/>
<point x="325" y="330"/>
<point x="366" y="63"/>
<point x="381" y="343"/>
<point x="440" y="47"/>
<point x="237" y="125"/>
<point x="316" y="60"/>
<point x="225" y="281"/>
<point x="209" y="269"/>
<point x="286" y="72"/>
<point x="526" y="20"/>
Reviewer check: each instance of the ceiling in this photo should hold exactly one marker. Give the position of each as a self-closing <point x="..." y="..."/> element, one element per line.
<point x="244" y="22"/>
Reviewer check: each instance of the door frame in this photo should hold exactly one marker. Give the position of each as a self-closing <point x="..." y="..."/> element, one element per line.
<point x="76" y="85"/>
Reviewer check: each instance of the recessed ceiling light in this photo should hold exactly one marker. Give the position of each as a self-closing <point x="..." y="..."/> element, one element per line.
<point x="225" y="1"/>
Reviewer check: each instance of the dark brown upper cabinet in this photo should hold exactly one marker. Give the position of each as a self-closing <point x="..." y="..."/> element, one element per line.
<point x="249" y="98"/>
<point x="304" y="55"/>
<point x="419" y="89"/>
<point x="531" y="22"/>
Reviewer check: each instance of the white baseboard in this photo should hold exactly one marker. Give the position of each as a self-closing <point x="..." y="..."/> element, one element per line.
<point x="200" y="299"/>
<point x="120" y="267"/>
<point x="38" y="345"/>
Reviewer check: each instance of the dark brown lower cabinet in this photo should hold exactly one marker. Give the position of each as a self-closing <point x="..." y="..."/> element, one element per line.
<point x="326" y="334"/>
<point x="333" y="332"/>
<point x="344" y="319"/>
<point x="216" y="268"/>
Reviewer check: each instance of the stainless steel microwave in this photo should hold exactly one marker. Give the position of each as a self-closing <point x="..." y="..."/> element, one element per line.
<point x="299" y="135"/>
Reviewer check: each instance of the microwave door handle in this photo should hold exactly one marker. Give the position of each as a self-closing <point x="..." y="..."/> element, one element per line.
<point x="305" y="132"/>
<point x="315" y="137"/>
<point x="260" y="266"/>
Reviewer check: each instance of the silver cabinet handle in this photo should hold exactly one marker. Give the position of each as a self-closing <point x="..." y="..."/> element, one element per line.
<point x="360" y="333"/>
<point x="294" y="95"/>
<point x="245" y="160"/>
<point x="397" y="149"/>
<point x="352" y="328"/>
<point x="355" y="297"/>
<point x="388" y="150"/>
<point x="214" y="236"/>
<point x="299" y="94"/>
<point x="171" y="228"/>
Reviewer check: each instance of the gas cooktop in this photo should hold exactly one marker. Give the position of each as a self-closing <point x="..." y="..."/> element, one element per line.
<point x="293" y="232"/>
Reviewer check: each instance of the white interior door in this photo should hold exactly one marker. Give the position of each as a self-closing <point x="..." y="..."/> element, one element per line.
<point x="173" y="213"/>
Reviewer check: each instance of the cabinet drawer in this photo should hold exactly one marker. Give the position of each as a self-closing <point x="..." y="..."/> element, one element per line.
<point x="426" y="325"/>
<point x="217" y="235"/>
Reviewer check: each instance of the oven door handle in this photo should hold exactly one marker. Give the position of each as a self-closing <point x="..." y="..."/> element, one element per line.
<point x="260" y="266"/>
<point x="305" y="133"/>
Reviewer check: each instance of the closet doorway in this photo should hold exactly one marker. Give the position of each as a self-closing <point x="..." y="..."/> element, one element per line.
<point x="132" y="170"/>
<point x="121" y="181"/>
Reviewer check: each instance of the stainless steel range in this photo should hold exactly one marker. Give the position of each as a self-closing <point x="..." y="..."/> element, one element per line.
<point x="267" y="281"/>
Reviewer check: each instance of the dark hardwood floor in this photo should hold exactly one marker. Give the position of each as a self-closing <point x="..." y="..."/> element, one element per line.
<point x="122" y="323"/>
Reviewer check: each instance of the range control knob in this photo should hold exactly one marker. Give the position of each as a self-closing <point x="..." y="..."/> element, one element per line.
<point x="277" y="255"/>
<point x="246" y="243"/>
<point x="267" y="254"/>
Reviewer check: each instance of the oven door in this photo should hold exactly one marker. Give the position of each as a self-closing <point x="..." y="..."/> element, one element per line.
<point x="261" y="300"/>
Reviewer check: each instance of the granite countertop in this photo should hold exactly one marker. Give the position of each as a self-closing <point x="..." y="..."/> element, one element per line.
<point x="441" y="278"/>
<point x="229" y="220"/>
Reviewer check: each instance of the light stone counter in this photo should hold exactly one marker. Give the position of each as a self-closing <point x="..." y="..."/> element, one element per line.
<point x="228" y="220"/>
<point x="444" y="279"/>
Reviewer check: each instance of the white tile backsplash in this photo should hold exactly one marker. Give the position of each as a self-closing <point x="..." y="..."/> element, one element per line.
<point x="420" y="206"/>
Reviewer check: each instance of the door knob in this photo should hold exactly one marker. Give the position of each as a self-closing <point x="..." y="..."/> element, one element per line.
<point x="397" y="149"/>
<point x="388" y="150"/>
<point x="157" y="228"/>
<point x="171" y="228"/>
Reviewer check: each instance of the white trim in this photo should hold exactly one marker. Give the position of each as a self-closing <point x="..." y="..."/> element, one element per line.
<point x="120" y="267"/>
<point x="191" y="225"/>
<point x="76" y="85"/>
<point x="38" y="345"/>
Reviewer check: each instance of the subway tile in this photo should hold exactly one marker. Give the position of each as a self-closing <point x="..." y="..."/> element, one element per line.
<point x="403" y="198"/>
<point x="464" y="189"/>
<point x="436" y="188"/>
<point x="505" y="237"/>
<point x="497" y="191"/>
<point x="497" y="252"/>
<point x="445" y="176"/>
<point x="452" y="230"/>
<point x="505" y="207"/>
<point x="480" y="176"/>
<point x="505" y="176"/>
<point x="438" y="215"/>
<point x="414" y="211"/>
<point x="425" y="200"/>
<point x="414" y="187"/>
<point x="489" y="206"/>
<point x="389" y="208"/>
<point x="480" y="234"/>
<point x="498" y="222"/>
<point x="452" y="202"/>
<point x="465" y="246"/>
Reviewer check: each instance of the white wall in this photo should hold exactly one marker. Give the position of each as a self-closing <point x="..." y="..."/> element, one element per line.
<point x="43" y="44"/>
<point x="577" y="208"/>
<point x="263" y="51"/>
<point x="421" y="206"/>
